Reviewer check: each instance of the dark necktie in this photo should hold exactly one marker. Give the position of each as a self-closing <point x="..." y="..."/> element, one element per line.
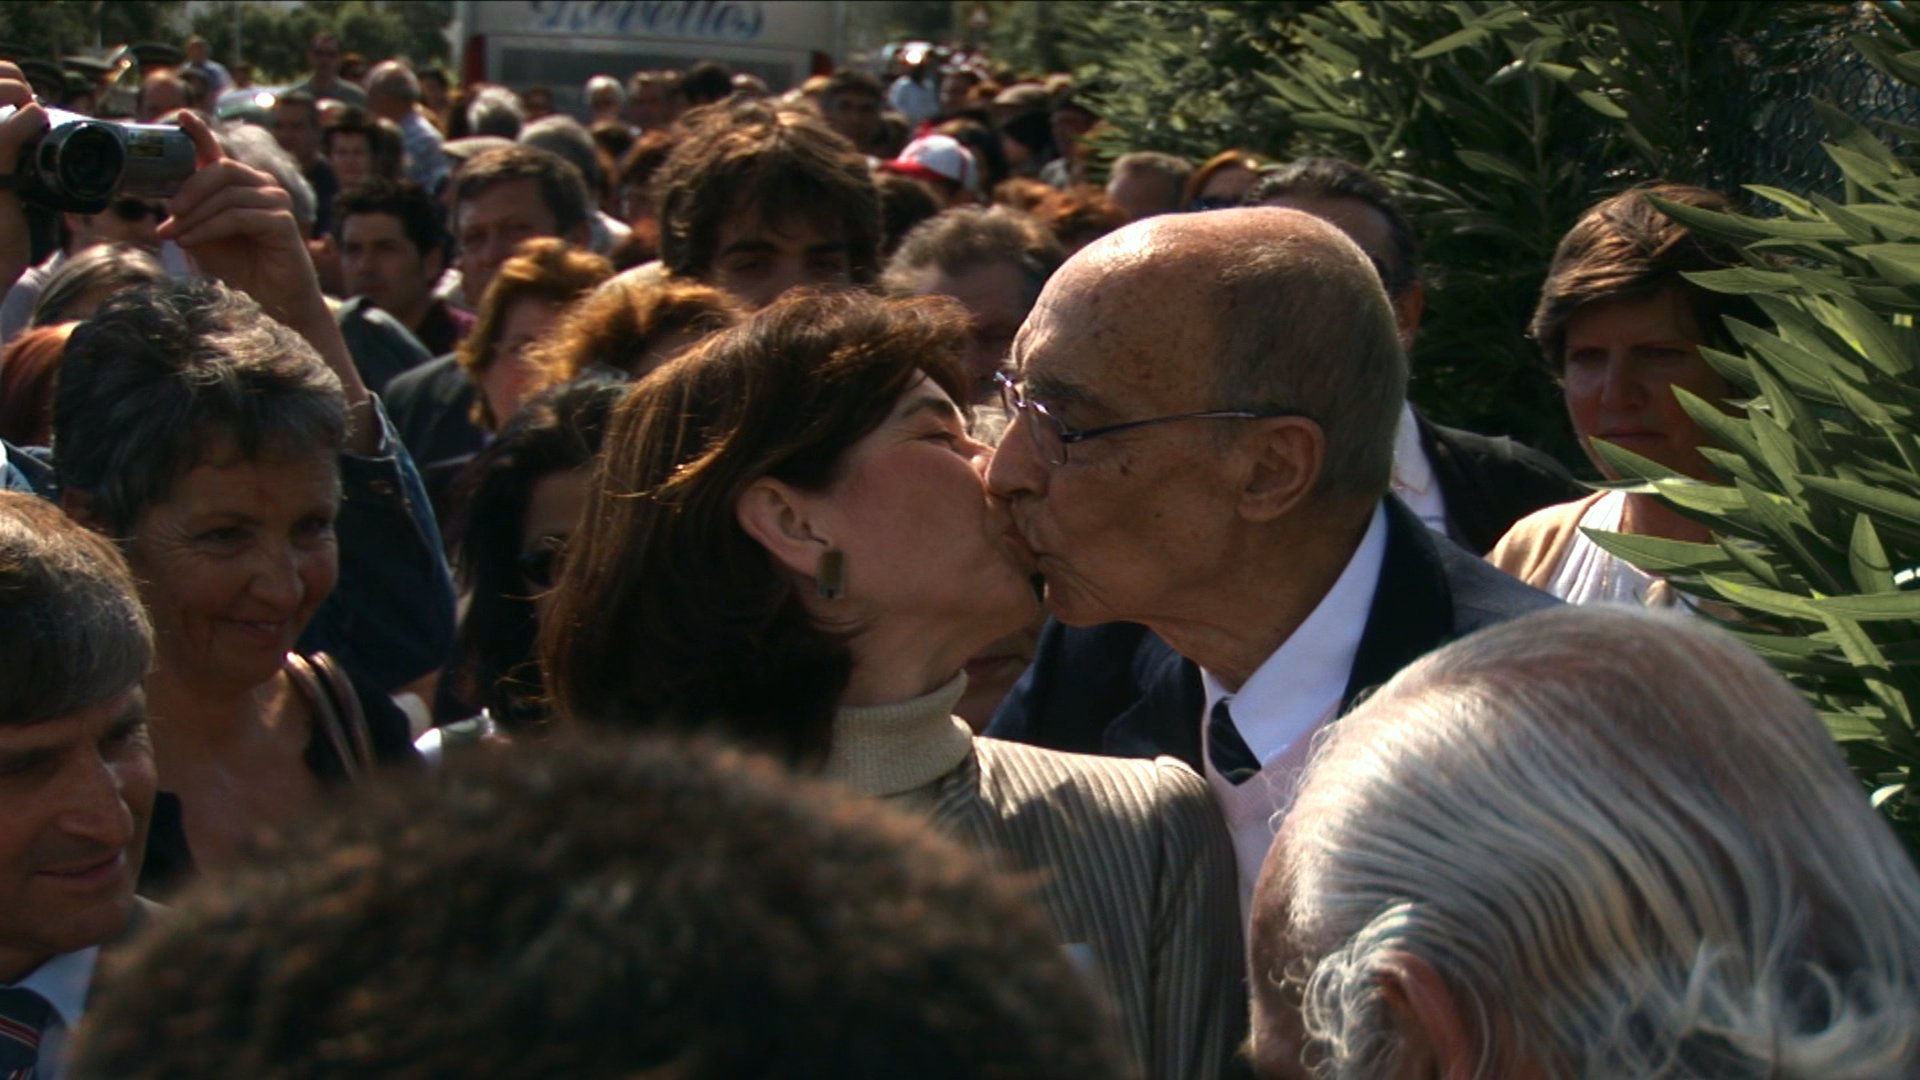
<point x="1226" y="750"/>
<point x="23" y="1017"/>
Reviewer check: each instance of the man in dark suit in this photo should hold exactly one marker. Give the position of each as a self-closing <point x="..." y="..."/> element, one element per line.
<point x="1468" y="486"/>
<point x="1202" y="441"/>
<point x="77" y="776"/>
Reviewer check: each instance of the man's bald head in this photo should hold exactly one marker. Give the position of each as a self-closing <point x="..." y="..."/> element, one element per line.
<point x="1267" y="309"/>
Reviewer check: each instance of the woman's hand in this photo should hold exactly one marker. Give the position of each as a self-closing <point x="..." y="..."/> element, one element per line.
<point x="238" y="225"/>
<point x="27" y="121"/>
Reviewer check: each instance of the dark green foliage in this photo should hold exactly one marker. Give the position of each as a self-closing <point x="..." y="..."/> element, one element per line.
<point x="1817" y="522"/>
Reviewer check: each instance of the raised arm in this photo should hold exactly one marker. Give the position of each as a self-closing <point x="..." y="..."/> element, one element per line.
<point x="238" y="226"/>
<point x="28" y="120"/>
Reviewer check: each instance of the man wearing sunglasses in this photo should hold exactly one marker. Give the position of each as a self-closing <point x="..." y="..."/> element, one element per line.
<point x="1204" y="409"/>
<point x="124" y="221"/>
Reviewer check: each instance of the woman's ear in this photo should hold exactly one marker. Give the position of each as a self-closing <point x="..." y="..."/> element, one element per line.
<point x="776" y="516"/>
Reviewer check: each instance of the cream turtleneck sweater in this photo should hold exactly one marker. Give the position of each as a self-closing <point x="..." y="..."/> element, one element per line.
<point x="888" y="750"/>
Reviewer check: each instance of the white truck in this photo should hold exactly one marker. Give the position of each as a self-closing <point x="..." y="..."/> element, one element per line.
<point x="561" y="43"/>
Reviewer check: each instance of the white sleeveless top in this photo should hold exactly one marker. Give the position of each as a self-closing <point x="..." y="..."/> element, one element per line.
<point x="1589" y="575"/>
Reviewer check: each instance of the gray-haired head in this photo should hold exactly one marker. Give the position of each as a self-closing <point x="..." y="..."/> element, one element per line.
<point x="607" y="86"/>
<point x="394" y="79"/>
<point x="255" y="147"/>
<point x="93" y="274"/>
<point x="496" y="110"/>
<point x="72" y="630"/>
<point x="966" y="238"/>
<point x="563" y="137"/>
<point x="168" y="376"/>
<point x="1624" y="845"/>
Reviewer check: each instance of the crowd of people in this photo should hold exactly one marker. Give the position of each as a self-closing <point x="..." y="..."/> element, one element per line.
<point x="751" y="584"/>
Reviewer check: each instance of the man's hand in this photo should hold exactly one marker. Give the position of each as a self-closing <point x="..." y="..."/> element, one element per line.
<point x="27" y="121"/>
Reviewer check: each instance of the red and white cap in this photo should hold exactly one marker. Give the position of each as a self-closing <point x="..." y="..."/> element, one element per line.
<point x="941" y="157"/>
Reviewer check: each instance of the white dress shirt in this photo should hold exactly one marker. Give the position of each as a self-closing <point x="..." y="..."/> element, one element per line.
<point x="1291" y="695"/>
<point x="1413" y="478"/>
<point x="63" y="981"/>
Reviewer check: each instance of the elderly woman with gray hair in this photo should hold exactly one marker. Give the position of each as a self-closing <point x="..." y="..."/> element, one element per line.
<point x="1587" y="842"/>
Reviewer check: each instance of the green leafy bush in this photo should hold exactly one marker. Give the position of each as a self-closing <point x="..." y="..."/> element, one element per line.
<point x="1817" y="522"/>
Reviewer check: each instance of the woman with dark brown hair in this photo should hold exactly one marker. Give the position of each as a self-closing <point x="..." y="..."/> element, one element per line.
<point x="1621" y="328"/>
<point x="789" y="543"/>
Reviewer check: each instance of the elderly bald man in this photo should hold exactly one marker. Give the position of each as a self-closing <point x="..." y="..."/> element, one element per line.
<point x="1204" y="417"/>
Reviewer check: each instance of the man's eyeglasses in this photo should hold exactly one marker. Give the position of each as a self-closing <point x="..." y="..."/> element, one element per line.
<point x="1052" y="438"/>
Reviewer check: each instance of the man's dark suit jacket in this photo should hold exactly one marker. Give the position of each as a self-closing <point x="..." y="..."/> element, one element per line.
<point x="1489" y="483"/>
<point x="1120" y="690"/>
<point x="432" y="408"/>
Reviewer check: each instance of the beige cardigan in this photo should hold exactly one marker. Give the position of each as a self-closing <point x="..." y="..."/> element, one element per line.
<point x="1130" y="859"/>
<point x="1536" y="545"/>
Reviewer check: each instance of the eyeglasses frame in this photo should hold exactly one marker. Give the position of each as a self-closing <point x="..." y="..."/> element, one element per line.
<point x="1018" y="403"/>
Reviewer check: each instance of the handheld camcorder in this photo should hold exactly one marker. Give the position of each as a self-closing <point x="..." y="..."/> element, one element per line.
<point x="80" y="164"/>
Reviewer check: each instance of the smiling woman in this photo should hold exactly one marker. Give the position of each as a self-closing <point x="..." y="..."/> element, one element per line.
<point x="206" y="438"/>
<point x="1622" y="329"/>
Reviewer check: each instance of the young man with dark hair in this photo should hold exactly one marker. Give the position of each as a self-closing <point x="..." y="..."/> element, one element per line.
<point x="852" y="103"/>
<point x="758" y="199"/>
<point x="323" y="57"/>
<point x="393" y="248"/>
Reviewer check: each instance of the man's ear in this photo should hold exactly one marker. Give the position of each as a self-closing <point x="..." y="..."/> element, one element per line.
<point x="776" y="516"/>
<point x="1427" y="1017"/>
<point x="1288" y="454"/>
<point x="435" y="262"/>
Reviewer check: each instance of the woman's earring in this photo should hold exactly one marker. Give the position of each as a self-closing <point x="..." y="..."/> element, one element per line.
<point x="830" y="577"/>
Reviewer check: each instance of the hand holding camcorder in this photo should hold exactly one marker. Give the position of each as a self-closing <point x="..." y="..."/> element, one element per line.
<point x="80" y="164"/>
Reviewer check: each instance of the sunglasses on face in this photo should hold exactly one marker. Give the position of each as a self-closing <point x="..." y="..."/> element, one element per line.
<point x="133" y="210"/>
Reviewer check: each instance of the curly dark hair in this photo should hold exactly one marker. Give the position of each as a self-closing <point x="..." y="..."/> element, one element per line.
<point x="632" y="908"/>
<point x="667" y="614"/>
<point x="749" y="157"/>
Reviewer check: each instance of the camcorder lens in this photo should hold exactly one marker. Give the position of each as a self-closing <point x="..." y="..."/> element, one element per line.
<point x="88" y="162"/>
